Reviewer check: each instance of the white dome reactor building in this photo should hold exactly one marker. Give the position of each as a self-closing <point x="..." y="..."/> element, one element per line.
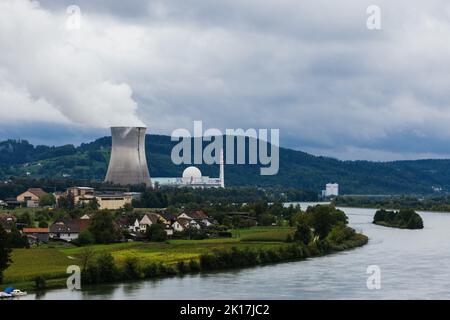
<point x="192" y="177"/>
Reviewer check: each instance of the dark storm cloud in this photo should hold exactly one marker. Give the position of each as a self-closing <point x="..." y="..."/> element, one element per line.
<point x="310" y="68"/>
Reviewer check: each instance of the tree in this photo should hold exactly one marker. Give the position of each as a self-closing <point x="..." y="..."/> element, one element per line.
<point x="103" y="228"/>
<point x="267" y="219"/>
<point x="86" y="256"/>
<point x="106" y="267"/>
<point x="47" y="200"/>
<point x="26" y="219"/>
<point x="43" y="224"/>
<point x="5" y="252"/>
<point x="67" y="202"/>
<point x="323" y="218"/>
<point x="128" y="208"/>
<point x="303" y="233"/>
<point x="93" y="204"/>
<point x="156" y="232"/>
<point x="16" y="239"/>
<point x="85" y="238"/>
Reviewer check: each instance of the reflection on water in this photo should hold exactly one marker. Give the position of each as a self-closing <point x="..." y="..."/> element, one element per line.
<point x="414" y="265"/>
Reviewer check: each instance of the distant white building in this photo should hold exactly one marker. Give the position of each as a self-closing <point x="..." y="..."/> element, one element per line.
<point x="331" y="189"/>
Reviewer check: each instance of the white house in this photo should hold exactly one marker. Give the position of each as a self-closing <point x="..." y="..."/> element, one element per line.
<point x="182" y="224"/>
<point x="148" y="220"/>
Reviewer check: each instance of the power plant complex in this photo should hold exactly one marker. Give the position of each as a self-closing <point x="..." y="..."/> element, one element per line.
<point x="128" y="164"/>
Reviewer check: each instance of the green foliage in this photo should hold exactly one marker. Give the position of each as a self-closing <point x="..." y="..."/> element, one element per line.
<point x="85" y="238"/>
<point x="131" y="268"/>
<point x="43" y="224"/>
<point x="16" y="239"/>
<point x="194" y="266"/>
<point x="405" y="218"/>
<point x="422" y="203"/>
<point x="182" y="267"/>
<point x="103" y="270"/>
<point x="5" y="252"/>
<point x="267" y="219"/>
<point x="25" y="218"/>
<point x="340" y="233"/>
<point x="303" y="233"/>
<point x="47" y="200"/>
<point x="323" y="218"/>
<point x="103" y="228"/>
<point x="156" y="233"/>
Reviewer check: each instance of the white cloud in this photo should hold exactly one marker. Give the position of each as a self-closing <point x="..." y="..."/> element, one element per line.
<point x="310" y="68"/>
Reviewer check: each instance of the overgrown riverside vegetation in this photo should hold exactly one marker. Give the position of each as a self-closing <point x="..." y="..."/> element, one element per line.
<point x="404" y="219"/>
<point x="317" y="231"/>
<point x="419" y="203"/>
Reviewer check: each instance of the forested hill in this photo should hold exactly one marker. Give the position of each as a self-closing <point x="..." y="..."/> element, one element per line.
<point x="297" y="169"/>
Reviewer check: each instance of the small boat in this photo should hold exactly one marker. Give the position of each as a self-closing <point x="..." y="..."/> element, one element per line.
<point x="18" y="293"/>
<point x="4" y="295"/>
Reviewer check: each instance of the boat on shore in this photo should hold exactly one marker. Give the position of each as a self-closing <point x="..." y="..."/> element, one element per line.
<point x="12" y="293"/>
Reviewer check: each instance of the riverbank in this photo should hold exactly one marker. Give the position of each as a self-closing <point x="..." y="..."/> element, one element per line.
<point x="165" y="259"/>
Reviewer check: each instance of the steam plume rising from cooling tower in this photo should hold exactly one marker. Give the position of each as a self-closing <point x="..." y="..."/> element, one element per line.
<point x="128" y="163"/>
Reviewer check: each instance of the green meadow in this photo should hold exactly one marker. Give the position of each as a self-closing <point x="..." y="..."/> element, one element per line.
<point x="51" y="261"/>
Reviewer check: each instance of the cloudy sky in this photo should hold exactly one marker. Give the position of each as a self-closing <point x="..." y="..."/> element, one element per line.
<point x="308" y="67"/>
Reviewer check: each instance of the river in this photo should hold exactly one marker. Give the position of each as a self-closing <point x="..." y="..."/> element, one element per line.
<point x="414" y="264"/>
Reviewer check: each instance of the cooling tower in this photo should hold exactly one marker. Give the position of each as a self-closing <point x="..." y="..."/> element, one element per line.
<point x="128" y="163"/>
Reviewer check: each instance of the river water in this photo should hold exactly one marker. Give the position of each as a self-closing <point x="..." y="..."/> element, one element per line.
<point x="414" y="264"/>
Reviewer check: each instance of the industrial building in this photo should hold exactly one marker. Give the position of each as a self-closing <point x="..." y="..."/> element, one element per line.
<point x="331" y="189"/>
<point x="192" y="177"/>
<point x="105" y="200"/>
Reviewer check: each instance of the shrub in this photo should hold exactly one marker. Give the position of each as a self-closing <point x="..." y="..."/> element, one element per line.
<point x="131" y="268"/>
<point x="156" y="233"/>
<point x="194" y="266"/>
<point x="224" y="234"/>
<point x="85" y="238"/>
<point x="303" y="233"/>
<point x="151" y="270"/>
<point x="102" y="270"/>
<point x="183" y="267"/>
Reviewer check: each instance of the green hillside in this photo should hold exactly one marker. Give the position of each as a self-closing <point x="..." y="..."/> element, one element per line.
<point x="297" y="169"/>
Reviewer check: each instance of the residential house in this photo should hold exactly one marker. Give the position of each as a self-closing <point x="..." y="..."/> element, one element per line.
<point x="31" y="197"/>
<point x="148" y="220"/>
<point x="169" y="230"/>
<point x="167" y="218"/>
<point x="68" y="229"/>
<point x="183" y="223"/>
<point x="36" y="235"/>
<point x="207" y="222"/>
<point x="197" y="214"/>
<point x="128" y="223"/>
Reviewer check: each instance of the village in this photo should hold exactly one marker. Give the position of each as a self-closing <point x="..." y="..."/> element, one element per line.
<point x="133" y="225"/>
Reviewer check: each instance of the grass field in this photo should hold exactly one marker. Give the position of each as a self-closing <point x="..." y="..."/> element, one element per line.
<point x="52" y="261"/>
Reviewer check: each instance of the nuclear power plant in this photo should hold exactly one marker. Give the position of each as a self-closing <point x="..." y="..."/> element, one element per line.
<point x="128" y="163"/>
<point x="192" y="178"/>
